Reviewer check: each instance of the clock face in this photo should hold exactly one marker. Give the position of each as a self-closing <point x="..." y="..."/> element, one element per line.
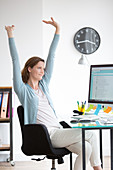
<point x="87" y="40"/>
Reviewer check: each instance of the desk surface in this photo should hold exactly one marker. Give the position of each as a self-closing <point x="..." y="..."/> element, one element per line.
<point x="97" y="123"/>
<point x="102" y="120"/>
<point x="84" y="125"/>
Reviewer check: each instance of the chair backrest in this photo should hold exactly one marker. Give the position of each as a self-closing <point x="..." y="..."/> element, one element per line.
<point x="20" y="111"/>
<point x="36" y="139"/>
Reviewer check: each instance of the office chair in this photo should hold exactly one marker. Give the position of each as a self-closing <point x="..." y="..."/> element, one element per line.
<point x="36" y="141"/>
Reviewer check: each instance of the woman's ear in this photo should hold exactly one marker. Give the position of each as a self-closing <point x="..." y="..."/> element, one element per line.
<point x="29" y="69"/>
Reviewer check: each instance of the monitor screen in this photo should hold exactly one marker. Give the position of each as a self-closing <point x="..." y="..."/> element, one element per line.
<point x="101" y="84"/>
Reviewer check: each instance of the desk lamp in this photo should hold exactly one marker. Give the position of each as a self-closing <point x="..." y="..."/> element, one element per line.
<point x="83" y="60"/>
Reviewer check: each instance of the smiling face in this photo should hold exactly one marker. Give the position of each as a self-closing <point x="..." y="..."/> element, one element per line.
<point x="36" y="73"/>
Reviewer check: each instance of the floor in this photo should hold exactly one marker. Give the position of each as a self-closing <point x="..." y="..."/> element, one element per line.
<point x="45" y="165"/>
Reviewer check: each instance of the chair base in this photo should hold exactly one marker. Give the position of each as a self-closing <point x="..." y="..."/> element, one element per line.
<point x="53" y="164"/>
<point x="60" y="160"/>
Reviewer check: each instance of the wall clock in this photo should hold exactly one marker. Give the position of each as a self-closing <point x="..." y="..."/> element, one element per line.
<point x="87" y="40"/>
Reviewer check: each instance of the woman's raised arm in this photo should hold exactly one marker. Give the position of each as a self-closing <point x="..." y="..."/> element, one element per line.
<point x="55" y="24"/>
<point x="9" y="30"/>
<point x="17" y="79"/>
<point x="52" y="50"/>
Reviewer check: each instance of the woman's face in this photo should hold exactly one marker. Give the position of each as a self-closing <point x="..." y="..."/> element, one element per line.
<point x="37" y="72"/>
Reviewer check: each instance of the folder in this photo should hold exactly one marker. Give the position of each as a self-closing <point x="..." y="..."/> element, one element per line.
<point x="0" y="99"/>
<point x="0" y="102"/>
<point x="8" y="109"/>
<point x="4" y="104"/>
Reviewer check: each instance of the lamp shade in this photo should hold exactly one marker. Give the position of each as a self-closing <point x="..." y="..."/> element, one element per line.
<point x="83" y="60"/>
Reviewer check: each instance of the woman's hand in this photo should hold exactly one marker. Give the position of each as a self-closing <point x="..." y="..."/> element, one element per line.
<point x="55" y="24"/>
<point x="9" y="30"/>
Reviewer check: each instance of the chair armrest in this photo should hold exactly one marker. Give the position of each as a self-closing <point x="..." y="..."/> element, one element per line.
<point x="64" y="124"/>
<point x="36" y="139"/>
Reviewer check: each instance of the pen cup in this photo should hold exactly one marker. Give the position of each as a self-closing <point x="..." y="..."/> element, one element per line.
<point x="81" y="109"/>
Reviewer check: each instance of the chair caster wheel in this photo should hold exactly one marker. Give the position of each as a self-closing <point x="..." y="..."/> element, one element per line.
<point x="8" y="159"/>
<point x="12" y="163"/>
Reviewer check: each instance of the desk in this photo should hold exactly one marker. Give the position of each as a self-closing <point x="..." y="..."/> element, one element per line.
<point x="100" y="127"/>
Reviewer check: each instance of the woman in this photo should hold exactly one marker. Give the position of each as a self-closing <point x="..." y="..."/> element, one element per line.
<point x="31" y="87"/>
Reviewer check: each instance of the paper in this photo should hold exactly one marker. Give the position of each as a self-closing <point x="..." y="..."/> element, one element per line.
<point x="108" y="109"/>
<point x="94" y="108"/>
<point x="90" y="107"/>
<point x="97" y="109"/>
<point x="97" y="123"/>
<point x="104" y="108"/>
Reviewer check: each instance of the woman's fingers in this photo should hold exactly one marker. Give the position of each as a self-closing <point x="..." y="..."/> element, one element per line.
<point x="9" y="28"/>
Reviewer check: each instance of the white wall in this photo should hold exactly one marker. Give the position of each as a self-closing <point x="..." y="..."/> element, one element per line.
<point x="69" y="78"/>
<point x="26" y="15"/>
<point x="70" y="81"/>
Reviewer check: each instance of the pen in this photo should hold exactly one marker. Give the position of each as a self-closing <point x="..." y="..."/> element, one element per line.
<point x="78" y="103"/>
<point x="85" y="102"/>
<point x="82" y="104"/>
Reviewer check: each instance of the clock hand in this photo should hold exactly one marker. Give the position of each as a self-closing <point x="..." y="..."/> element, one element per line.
<point x="79" y="42"/>
<point x="91" y="42"/>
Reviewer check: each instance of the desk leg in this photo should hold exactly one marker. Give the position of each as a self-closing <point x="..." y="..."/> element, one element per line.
<point x="101" y="157"/>
<point x="111" y="134"/>
<point x="83" y="149"/>
<point x="70" y="161"/>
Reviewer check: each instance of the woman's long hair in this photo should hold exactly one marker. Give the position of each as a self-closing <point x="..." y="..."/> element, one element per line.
<point x="31" y="62"/>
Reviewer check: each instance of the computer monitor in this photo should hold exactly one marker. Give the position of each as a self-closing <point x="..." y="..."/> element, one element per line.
<point x="101" y="85"/>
